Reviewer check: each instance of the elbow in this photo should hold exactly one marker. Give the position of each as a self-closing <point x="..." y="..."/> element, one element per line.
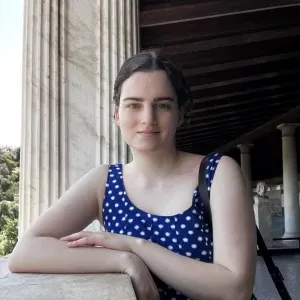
<point x="241" y="290"/>
<point x="13" y="266"/>
<point x="15" y="261"/>
<point x="18" y="259"/>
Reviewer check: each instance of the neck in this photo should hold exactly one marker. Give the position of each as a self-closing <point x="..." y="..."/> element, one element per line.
<point x="155" y="165"/>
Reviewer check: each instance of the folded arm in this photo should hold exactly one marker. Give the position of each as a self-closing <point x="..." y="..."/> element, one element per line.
<point x="231" y="276"/>
<point x="41" y="251"/>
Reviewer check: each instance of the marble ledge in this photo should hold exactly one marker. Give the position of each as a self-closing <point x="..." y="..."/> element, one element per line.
<point x="64" y="286"/>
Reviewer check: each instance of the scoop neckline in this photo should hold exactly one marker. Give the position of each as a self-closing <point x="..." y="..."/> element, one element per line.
<point x="192" y="207"/>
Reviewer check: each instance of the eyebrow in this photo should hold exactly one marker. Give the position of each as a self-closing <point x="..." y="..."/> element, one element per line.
<point x="155" y="99"/>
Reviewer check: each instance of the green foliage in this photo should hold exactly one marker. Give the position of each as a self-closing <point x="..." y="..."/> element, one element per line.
<point x="8" y="210"/>
<point x="8" y="236"/>
<point x="9" y="173"/>
<point x="9" y="187"/>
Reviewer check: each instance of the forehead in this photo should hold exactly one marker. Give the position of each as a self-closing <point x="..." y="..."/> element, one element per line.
<point x="147" y="84"/>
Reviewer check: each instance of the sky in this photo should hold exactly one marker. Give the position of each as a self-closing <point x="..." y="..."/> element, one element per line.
<point x="11" y="50"/>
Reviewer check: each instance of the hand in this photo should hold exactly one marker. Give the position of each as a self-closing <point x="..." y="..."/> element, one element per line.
<point x="101" y="239"/>
<point x="143" y="283"/>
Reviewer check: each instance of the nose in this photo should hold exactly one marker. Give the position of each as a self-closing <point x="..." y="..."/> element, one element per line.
<point x="149" y="115"/>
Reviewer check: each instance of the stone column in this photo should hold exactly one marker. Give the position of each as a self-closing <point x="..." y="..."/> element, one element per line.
<point x="290" y="182"/>
<point x="72" y="51"/>
<point x="246" y="166"/>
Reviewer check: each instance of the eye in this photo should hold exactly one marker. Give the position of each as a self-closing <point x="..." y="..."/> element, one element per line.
<point x="133" y="105"/>
<point x="163" y="106"/>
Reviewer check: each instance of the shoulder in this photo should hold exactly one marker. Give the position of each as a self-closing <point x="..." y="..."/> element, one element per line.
<point x="229" y="186"/>
<point x="95" y="179"/>
<point x="98" y="173"/>
<point x="227" y="169"/>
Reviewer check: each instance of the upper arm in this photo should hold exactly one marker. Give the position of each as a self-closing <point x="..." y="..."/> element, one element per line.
<point x="233" y="221"/>
<point x="76" y="209"/>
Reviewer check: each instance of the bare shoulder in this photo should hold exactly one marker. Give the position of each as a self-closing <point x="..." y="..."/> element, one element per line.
<point x="229" y="178"/>
<point x="93" y="181"/>
<point x="97" y="176"/>
<point x="228" y="164"/>
<point x="76" y="208"/>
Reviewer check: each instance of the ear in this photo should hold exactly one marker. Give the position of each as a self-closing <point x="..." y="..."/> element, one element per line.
<point x="116" y="115"/>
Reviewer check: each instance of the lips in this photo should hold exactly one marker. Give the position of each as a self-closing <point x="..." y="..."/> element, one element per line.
<point x="148" y="133"/>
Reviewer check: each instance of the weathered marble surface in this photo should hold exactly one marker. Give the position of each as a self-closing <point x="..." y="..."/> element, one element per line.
<point x="118" y="287"/>
<point x="64" y="287"/>
<point x="72" y="52"/>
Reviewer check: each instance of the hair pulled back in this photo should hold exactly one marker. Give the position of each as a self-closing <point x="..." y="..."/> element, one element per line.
<point x="152" y="60"/>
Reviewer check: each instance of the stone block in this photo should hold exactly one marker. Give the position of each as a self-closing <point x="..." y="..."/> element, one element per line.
<point x="64" y="286"/>
<point x="263" y="218"/>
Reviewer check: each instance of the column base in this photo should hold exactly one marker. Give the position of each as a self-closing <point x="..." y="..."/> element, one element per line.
<point x="291" y="243"/>
<point x="291" y="234"/>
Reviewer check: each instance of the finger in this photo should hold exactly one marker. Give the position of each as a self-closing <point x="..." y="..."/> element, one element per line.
<point x="85" y="241"/>
<point x="75" y="236"/>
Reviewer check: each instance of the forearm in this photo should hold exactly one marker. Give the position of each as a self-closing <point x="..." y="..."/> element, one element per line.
<point x="50" y="255"/>
<point x="195" y="279"/>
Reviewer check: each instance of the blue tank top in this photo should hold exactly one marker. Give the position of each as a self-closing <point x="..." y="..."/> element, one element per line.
<point x="186" y="233"/>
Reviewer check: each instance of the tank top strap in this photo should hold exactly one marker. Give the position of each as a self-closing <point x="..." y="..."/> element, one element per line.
<point x="114" y="180"/>
<point x="212" y="163"/>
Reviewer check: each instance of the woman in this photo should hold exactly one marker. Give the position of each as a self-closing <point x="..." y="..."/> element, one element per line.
<point x="153" y="216"/>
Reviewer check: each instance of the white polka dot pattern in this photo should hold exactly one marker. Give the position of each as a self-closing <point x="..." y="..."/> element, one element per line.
<point x="186" y="234"/>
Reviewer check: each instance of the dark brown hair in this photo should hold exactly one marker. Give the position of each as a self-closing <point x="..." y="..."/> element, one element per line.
<point x="152" y="60"/>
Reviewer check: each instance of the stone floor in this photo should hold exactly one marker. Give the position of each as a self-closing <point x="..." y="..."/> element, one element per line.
<point x="289" y="266"/>
<point x="264" y="286"/>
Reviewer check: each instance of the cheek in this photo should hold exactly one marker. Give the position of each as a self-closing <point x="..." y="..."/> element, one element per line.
<point x="168" y="120"/>
<point x="127" y="118"/>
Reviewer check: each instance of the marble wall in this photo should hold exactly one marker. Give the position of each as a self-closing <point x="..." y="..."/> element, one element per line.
<point x="72" y="52"/>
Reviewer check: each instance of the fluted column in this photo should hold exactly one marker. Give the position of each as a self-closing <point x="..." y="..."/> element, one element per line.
<point x="246" y="166"/>
<point x="72" y="52"/>
<point x="290" y="180"/>
<point x="43" y="154"/>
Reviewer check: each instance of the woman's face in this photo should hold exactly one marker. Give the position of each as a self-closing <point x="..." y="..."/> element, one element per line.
<point x="148" y="112"/>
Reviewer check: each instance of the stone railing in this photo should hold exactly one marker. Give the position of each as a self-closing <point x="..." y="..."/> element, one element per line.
<point x="64" y="287"/>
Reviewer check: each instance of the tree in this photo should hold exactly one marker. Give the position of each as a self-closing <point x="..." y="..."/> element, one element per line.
<point x="9" y="187"/>
<point x="9" y="212"/>
<point x="9" y="173"/>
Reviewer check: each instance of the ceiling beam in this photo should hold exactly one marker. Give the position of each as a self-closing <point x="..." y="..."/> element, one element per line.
<point x="237" y="53"/>
<point x="248" y="91"/>
<point x="251" y="102"/>
<point x="269" y="67"/>
<point x="218" y="131"/>
<point x="213" y="128"/>
<point x="215" y="9"/>
<point x="241" y="119"/>
<point x="208" y="28"/>
<point x="241" y="63"/>
<point x="289" y="116"/>
<point x="266" y="85"/>
<point x="245" y="110"/>
<point x="266" y="76"/>
<point x="231" y="41"/>
<point x="203" y="141"/>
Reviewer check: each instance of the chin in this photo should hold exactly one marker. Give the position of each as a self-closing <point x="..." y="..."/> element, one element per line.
<point x="145" y="148"/>
<point x="150" y="145"/>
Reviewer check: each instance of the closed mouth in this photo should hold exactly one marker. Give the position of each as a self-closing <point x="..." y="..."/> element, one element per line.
<point x="148" y="132"/>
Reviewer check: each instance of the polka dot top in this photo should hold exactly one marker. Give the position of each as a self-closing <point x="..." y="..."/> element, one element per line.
<point x="186" y="233"/>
